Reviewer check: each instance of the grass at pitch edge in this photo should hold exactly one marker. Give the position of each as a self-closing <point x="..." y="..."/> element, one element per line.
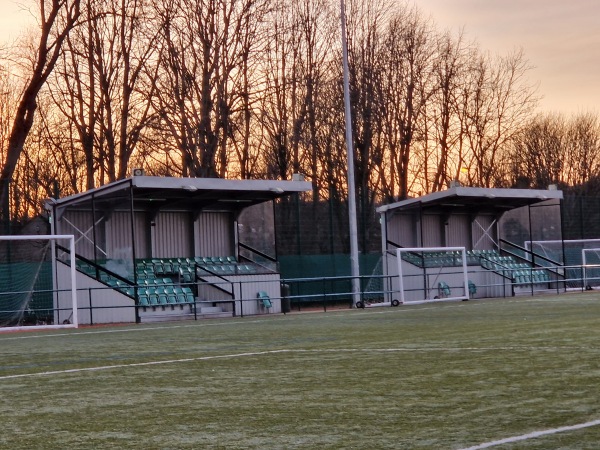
<point x="435" y="376"/>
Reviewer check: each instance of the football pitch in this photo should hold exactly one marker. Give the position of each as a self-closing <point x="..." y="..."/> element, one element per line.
<point x="520" y="373"/>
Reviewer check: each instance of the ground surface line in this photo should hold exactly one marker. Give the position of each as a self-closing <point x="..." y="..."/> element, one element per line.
<point x="82" y="332"/>
<point x="535" y="434"/>
<point x="147" y="363"/>
<point x="283" y="350"/>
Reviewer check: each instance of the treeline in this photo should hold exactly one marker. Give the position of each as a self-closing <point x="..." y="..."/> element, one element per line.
<point x="253" y="89"/>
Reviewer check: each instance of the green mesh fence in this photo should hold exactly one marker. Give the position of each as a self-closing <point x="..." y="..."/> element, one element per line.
<point x="308" y="273"/>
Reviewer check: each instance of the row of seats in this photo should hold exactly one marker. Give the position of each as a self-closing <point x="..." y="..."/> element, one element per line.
<point x="152" y="289"/>
<point x="476" y="257"/>
<point x="171" y="266"/>
<point x="162" y="292"/>
<point x="226" y="269"/>
<point x="433" y="259"/>
<point x="447" y="259"/>
<point x="531" y="276"/>
<point x="520" y="273"/>
<point x="503" y="262"/>
<point x="155" y="277"/>
<point x="88" y="269"/>
<point x="187" y="269"/>
<point x="167" y="295"/>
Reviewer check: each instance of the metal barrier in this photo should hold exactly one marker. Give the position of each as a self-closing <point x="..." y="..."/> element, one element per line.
<point x="326" y="293"/>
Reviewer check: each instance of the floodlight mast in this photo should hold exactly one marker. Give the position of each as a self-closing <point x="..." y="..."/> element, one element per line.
<point x="351" y="193"/>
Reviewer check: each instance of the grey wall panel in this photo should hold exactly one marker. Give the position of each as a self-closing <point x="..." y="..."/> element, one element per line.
<point x="118" y="236"/>
<point x="171" y="236"/>
<point x="245" y="289"/>
<point x="248" y="291"/>
<point x="401" y="230"/>
<point x="142" y="249"/>
<point x="213" y="232"/>
<point x="432" y="231"/>
<point x="458" y="231"/>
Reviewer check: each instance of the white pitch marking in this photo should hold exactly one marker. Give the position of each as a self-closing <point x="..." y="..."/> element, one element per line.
<point x="535" y="434"/>
<point x="149" y="363"/>
<point x="269" y="352"/>
<point x="128" y="330"/>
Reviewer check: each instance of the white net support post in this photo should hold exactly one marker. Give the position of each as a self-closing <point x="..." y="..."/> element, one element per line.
<point x="37" y="289"/>
<point x="590" y="262"/>
<point x="443" y="270"/>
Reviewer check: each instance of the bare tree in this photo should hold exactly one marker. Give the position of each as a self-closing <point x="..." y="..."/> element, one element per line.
<point x="498" y="101"/>
<point x="102" y="87"/>
<point x="449" y="65"/>
<point x="56" y="19"/>
<point x="552" y="149"/>
<point x="582" y="150"/>
<point x="206" y="45"/>
<point x="537" y="154"/>
<point x="279" y="107"/>
<point x="44" y="167"/>
<point x="406" y="88"/>
<point x="8" y="98"/>
<point x="299" y="61"/>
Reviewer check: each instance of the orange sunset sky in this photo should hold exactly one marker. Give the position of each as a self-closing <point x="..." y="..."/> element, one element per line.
<point x="560" y="38"/>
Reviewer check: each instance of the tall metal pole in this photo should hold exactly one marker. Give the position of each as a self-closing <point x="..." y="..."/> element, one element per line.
<point x="351" y="193"/>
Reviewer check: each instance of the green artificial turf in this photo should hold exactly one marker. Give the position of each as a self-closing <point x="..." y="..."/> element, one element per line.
<point x="435" y="376"/>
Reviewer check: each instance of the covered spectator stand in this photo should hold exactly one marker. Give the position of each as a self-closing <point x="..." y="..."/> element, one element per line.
<point x="494" y="225"/>
<point x="153" y="248"/>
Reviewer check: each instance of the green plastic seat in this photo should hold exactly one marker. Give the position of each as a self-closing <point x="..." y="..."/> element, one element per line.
<point x="264" y="299"/>
<point x="443" y="289"/>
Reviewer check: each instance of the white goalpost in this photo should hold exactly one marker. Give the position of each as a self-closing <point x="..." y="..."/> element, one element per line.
<point x="37" y="282"/>
<point x="590" y="262"/>
<point x="432" y="274"/>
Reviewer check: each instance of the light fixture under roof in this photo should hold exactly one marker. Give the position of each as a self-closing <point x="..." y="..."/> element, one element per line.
<point x="235" y="200"/>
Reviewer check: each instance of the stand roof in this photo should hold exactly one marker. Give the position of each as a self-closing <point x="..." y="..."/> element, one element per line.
<point x="474" y="200"/>
<point x="171" y="193"/>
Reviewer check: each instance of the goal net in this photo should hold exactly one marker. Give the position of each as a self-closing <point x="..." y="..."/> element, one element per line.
<point x="590" y="263"/>
<point x="432" y="274"/>
<point x="37" y="282"/>
<point x="568" y="254"/>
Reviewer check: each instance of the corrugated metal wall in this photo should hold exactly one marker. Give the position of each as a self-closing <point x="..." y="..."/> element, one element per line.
<point x="171" y="235"/>
<point x="402" y="230"/>
<point x="458" y="231"/>
<point x="118" y="235"/>
<point x="213" y="232"/>
<point x="432" y="231"/>
<point x="142" y="248"/>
